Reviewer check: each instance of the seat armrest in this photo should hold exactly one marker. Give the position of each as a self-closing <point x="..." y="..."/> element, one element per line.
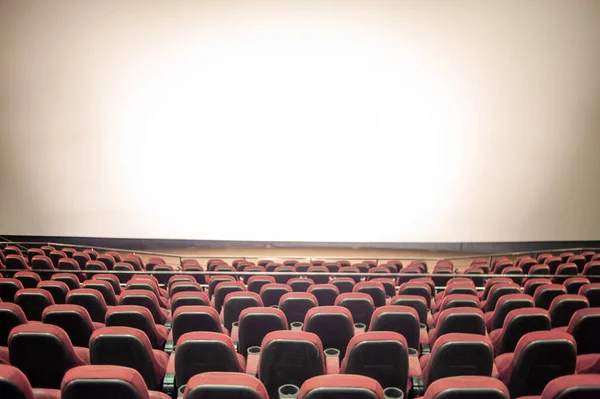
<point x="332" y="361"/>
<point x="169" y="380"/>
<point x="253" y="360"/>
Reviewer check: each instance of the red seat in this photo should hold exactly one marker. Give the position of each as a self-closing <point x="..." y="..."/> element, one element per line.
<point x="290" y="357"/>
<point x="467" y="387"/>
<point x="341" y="386"/>
<point x="458" y="320"/>
<point x="316" y="278"/>
<point x="104" y="288"/>
<point x="94" y="265"/>
<point x="70" y="266"/>
<point x="517" y="323"/>
<point x="92" y="253"/>
<point x="187" y="298"/>
<point x="497" y="291"/>
<point x="415" y="288"/>
<point x="16" y="262"/>
<point x="42" y="262"/>
<point x="257" y="323"/>
<point x="224" y="385"/>
<point x="201" y="352"/>
<point x="539" y="358"/>
<point x="565" y="270"/>
<point x="113" y="382"/>
<point x="564" y="306"/>
<point x="71" y="280"/>
<point x="235" y="303"/>
<point x="513" y="270"/>
<point x="490" y="283"/>
<point x="108" y="261"/>
<point x="123" y="268"/>
<point x="592" y="271"/>
<point x="74" y="320"/>
<point x="47" y="249"/>
<point x="573" y="284"/>
<point x="583" y="326"/>
<point x="115" y="255"/>
<point x="33" y="301"/>
<point x="129" y="347"/>
<point x="31" y="252"/>
<point x="8" y="289"/>
<point x="495" y="320"/>
<point x="184" y="286"/>
<point x="216" y="280"/>
<point x="533" y="283"/>
<point x="195" y="318"/>
<point x="299" y="284"/>
<point x="146" y="299"/>
<point x="68" y="251"/>
<point x="416" y="302"/>
<point x="81" y="258"/>
<point x="57" y="289"/>
<point x="401" y="319"/>
<point x="223" y="289"/>
<point x="44" y="353"/>
<point x="11" y="316"/>
<point x="374" y="289"/>
<point x="178" y="278"/>
<point x="325" y="293"/>
<point x="295" y="305"/>
<point x="147" y="284"/>
<point x="284" y="274"/>
<point x="163" y="278"/>
<point x="571" y="387"/>
<point x="349" y="269"/>
<point x="140" y="318"/>
<point x="360" y="306"/>
<point x="539" y="269"/>
<point x="578" y="260"/>
<point x="55" y="256"/>
<point x="332" y="324"/>
<point x="544" y="294"/>
<point x="92" y="300"/>
<point x="111" y="279"/>
<point x="553" y="262"/>
<point x="14" y="385"/>
<point x="590" y="291"/>
<point x="382" y="356"/>
<point x="255" y="283"/>
<point x="271" y="293"/>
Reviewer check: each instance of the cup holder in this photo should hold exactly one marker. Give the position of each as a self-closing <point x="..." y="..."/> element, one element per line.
<point x="412" y="352"/>
<point x="423" y="325"/>
<point x="235" y="324"/>
<point x="274" y="306"/>
<point x="180" y="391"/>
<point x="359" y="328"/>
<point x="297" y="325"/>
<point x="253" y="350"/>
<point x="332" y="352"/>
<point x="288" y="391"/>
<point x="393" y="393"/>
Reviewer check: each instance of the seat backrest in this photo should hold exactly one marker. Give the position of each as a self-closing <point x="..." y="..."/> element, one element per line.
<point x="255" y="283"/>
<point x="272" y="292"/>
<point x="81" y="258"/>
<point x="8" y="289"/>
<point x="16" y="262"/>
<point x="359" y="304"/>
<point x="43" y="352"/>
<point x="256" y="323"/>
<point x="11" y="315"/>
<point x="201" y="352"/>
<point x="146" y="299"/>
<point x="73" y="319"/>
<point x="126" y="347"/>
<point x="33" y="301"/>
<point x="14" y="384"/>
<point x="289" y="357"/>
<point x="583" y="326"/>
<point x="592" y="270"/>
<point x="223" y="289"/>
<point x="108" y="261"/>
<point x="459" y="320"/>
<point x="235" y="303"/>
<point x="295" y="305"/>
<point x="401" y="319"/>
<point x="55" y="256"/>
<point x="533" y="283"/>
<point x="135" y="317"/>
<point x="573" y="387"/>
<point x="420" y="289"/>
<point x="332" y="324"/>
<point x="325" y="293"/>
<point x="195" y="318"/>
<point x="590" y="291"/>
<point x="491" y="282"/>
<point x="42" y="262"/>
<point x="382" y="356"/>
<point x="224" y="385"/>
<point x="104" y="288"/>
<point x="507" y="303"/>
<point x="458" y="354"/>
<point x="573" y="284"/>
<point x="539" y="358"/>
<point x="374" y="289"/>
<point x="565" y="270"/>
<point x="459" y="301"/>
<point x="553" y="262"/>
<point x="57" y="289"/>
<point x="31" y="252"/>
<point x="544" y="294"/>
<point x="345" y="284"/>
<point x="498" y="291"/>
<point x="341" y="386"/>
<point x="92" y="300"/>
<point x="519" y="322"/>
<point x="68" y="278"/>
<point x="99" y="382"/>
<point x="184" y="286"/>
<point x="111" y="279"/>
<point x="416" y="302"/>
<point x="564" y="306"/>
<point x="188" y="298"/>
<point x="467" y="387"/>
<point x="316" y="278"/>
<point x="300" y="284"/>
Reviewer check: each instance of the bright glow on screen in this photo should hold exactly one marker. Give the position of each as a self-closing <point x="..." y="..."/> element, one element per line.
<point x="400" y="121"/>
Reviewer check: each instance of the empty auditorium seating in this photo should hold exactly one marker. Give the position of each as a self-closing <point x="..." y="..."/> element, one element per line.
<point x="590" y="291"/>
<point x="98" y="382"/>
<point x="382" y="356"/>
<point x="146" y="299"/>
<point x="70" y="265"/>
<point x="332" y="324"/>
<point x="545" y="294"/>
<point x="538" y="358"/>
<point x="104" y="288"/>
<point x="592" y="271"/>
<point x="92" y="300"/>
<point x="300" y="284"/>
<point x="415" y="288"/>
<point x="42" y="262"/>
<point x="189" y="299"/>
<point x="225" y="385"/>
<point x="533" y="283"/>
<point x="374" y="289"/>
<point x="295" y="305"/>
<point x="256" y="323"/>
<point x="44" y="353"/>
<point x="290" y="357"/>
<point x="195" y="318"/>
<point x="572" y="387"/>
<point x="564" y="306"/>
<point x="467" y="387"/>
<point x="573" y="284"/>
<point x="33" y="301"/>
<point x="201" y="352"/>
<point x="496" y="292"/>
<point x="584" y="326"/>
<point x="8" y="289"/>
<point x="55" y="256"/>
<point x="341" y="386"/>
<point x="457" y="354"/>
<point x="74" y="320"/>
<point x="505" y="304"/>
<point x="318" y="269"/>
<point x="184" y="286"/>
<point x="565" y="270"/>
<point x="111" y="279"/>
<point x="458" y="320"/>
<point x="271" y="293"/>
<point x="71" y="280"/>
<point x="235" y="303"/>
<point x="325" y="293"/>
<point x="517" y="323"/>
<point x="129" y="347"/>
<point x="14" y="385"/>
<point x="401" y="319"/>
<point x="359" y="304"/>
<point x="11" y="316"/>
<point x="140" y="318"/>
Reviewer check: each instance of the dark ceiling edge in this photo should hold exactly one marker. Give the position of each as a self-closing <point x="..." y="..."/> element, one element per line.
<point x="152" y="244"/>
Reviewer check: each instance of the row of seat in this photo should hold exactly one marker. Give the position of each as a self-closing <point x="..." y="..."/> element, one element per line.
<point x="45" y="354"/>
